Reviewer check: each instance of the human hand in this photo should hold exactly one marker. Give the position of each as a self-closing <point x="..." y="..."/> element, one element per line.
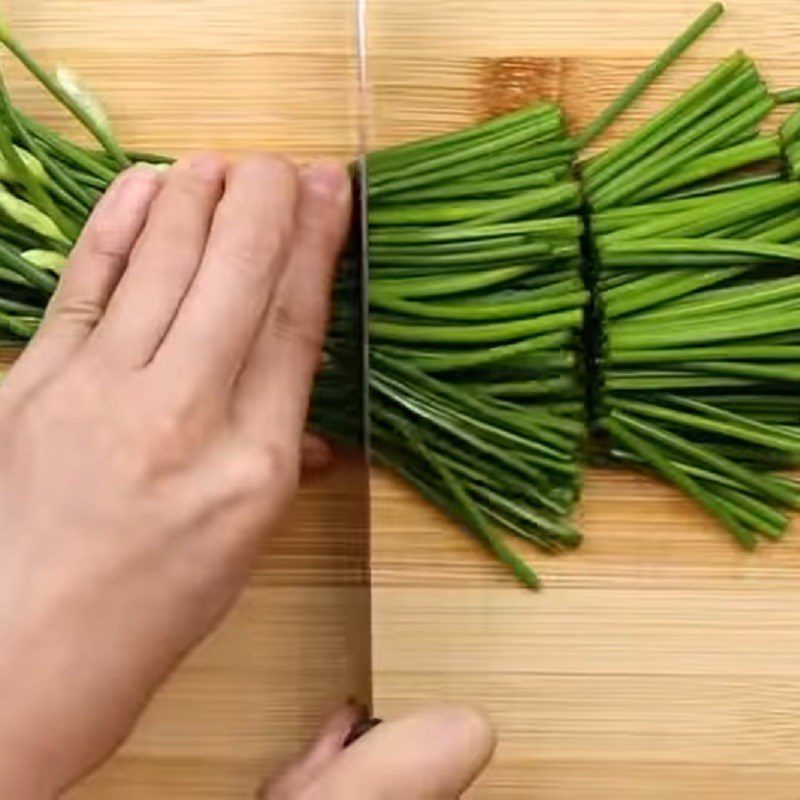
<point x="149" y="437"/>
<point x="433" y="755"/>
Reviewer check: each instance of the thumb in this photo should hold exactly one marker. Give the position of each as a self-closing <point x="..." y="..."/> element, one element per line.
<point x="432" y="755"/>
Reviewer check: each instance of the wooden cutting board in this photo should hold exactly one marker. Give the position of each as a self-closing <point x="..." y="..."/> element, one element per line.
<point x="659" y="662"/>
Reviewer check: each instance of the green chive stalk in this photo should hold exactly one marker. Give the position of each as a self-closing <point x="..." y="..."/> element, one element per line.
<point x="476" y="307"/>
<point x="649" y="75"/>
<point x="697" y="249"/>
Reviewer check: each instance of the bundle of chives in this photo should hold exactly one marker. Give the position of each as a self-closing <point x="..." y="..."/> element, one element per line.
<point x="698" y="275"/>
<point x="48" y="187"/>
<point x="708" y="131"/>
<point x="476" y="306"/>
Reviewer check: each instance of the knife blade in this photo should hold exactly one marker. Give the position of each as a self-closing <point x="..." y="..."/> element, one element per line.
<point x="359" y="626"/>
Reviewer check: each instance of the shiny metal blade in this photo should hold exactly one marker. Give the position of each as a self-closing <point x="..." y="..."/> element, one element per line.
<point x="363" y="113"/>
<point x="360" y="618"/>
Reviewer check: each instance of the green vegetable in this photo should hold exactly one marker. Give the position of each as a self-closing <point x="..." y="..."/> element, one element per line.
<point x="699" y="358"/>
<point x="519" y="300"/>
<point x="668" y="57"/>
<point x="46" y="259"/>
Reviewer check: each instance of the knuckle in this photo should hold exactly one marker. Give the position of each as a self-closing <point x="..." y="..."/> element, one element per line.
<point x="278" y="241"/>
<point x="167" y="428"/>
<point x="177" y="243"/>
<point x="278" y="237"/>
<point x="251" y="251"/>
<point x="170" y="440"/>
<point x="188" y="191"/>
<point x="265" y="466"/>
<point x="246" y="475"/>
<point x="301" y="326"/>
<point x="106" y="238"/>
<point x="257" y="469"/>
<point x="255" y="255"/>
<point x="183" y="190"/>
<point x="330" y="231"/>
<point x="80" y="310"/>
<point x="321" y="234"/>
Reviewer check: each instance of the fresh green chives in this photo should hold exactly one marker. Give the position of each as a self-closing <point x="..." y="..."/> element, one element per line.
<point x="520" y="300"/>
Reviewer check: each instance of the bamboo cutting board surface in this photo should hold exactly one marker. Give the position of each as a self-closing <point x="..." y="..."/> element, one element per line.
<point x="659" y="662"/>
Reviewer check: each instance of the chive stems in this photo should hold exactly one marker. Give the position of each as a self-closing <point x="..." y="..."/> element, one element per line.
<point x="698" y="282"/>
<point x="653" y="71"/>
<point x="516" y="301"/>
<point x="79" y="110"/>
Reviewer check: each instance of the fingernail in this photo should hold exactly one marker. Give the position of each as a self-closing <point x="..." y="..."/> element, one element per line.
<point x="208" y="165"/>
<point x="327" y="178"/>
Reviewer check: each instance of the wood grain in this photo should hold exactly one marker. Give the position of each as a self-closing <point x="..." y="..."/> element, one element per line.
<point x="659" y="662"/>
<point x="179" y="75"/>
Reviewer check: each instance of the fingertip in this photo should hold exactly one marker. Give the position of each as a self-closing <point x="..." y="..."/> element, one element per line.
<point x="326" y="202"/>
<point x="208" y="165"/>
<point x="115" y="225"/>
<point x="137" y="186"/>
<point x="467" y="738"/>
<point x="144" y="173"/>
<point x="327" y="179"/>
<point x="193" y="176"/>
<point x="469" y="730"/>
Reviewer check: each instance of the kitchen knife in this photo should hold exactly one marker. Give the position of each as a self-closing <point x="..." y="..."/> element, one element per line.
<point x="359" y="624"/>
